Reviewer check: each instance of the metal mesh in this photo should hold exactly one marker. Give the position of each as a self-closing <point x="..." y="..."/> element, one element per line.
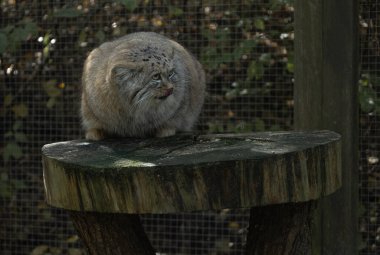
<point x="245" y="46"/>
<point x="369" y="96"/>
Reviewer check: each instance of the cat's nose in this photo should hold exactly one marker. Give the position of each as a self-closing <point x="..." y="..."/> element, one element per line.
<point x="166" y="92"/>
<point x="169" y="91"/>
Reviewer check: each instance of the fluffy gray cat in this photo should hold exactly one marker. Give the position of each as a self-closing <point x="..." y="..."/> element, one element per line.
<point x="140" y="85"/>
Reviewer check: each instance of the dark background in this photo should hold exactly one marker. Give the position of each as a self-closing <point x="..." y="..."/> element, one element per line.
<point x="246" y="48"/>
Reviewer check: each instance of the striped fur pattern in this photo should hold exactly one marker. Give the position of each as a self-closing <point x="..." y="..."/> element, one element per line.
<point x="140" y="85"/>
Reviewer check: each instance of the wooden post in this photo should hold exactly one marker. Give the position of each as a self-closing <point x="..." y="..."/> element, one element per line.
<point x="280" y="229"/>
<point x="326" y="75"/>
<point x="112" y="233"/>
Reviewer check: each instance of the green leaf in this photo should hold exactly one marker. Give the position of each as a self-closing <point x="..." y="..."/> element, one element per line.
<point x="290" y="63"/>
<point x="215" y="127"/>
<point x="222" y="36"/>
<point x="67" y="13"/>
<point x="265" y="58"/>
<point x="51" y="89"/>
<point x="226" y="57"/>
<point x="248" y="45"/>
<point x="82" y="36"/>
<point x="20" y="137"/>
<point x="130" y="5"/>
<point x="46" y="39"/>
<point x="275" y="127"/>
<point x="367" y="99"/>
<point x="100" y="36"/>
<point x="7" y="29"/>
<point x="243" y="127"/>
<point x="255" y="70"/>
<point x="231" y="94"/>
<point x="245" y="47"/>
<point x="75" y="251"/>
<point x="19" y="34"/>
<point x="46" y="51"/>
<point x="276" y="4"/>
<point x="209" y="57"/>
<point x="3" y="42"/>
<point x="40" y="250"/>
<point x="30" y="27"/>
<point x="72" y="239"/>
<point x="290" y="67"/>
<point x="207" y="33"/>
<point x="175" y="11"/>
<point x="259" y="125"/>
<point x="20" y="110"/>
<point x="259" y="23"/>
<point x="51" y="102"/>
<point x="13" y="150"/>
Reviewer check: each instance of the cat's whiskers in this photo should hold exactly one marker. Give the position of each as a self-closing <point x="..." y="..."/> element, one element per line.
<point x="141" y="99"/>
<point x="135" y="94"/>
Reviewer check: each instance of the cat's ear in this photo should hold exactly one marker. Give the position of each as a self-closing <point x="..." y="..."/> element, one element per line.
<point x="120" y="74"/>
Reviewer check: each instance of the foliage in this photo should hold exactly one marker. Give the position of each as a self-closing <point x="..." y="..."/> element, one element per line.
<point x="11" y="36"/>
<point x="369" y="99"/>
<point x="245" y="47"/>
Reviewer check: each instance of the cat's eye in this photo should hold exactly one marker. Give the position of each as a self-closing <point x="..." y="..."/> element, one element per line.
<point x="156" y="77"/>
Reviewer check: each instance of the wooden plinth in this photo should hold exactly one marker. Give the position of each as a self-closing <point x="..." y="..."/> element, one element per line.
<point x="270" y="172"/>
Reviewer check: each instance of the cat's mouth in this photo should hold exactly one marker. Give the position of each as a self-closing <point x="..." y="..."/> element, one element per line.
<point x="166" y="94"/>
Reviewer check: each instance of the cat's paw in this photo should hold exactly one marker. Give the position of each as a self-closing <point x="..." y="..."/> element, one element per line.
<point x="164" y="132"/>
<point x="95" y="134"/>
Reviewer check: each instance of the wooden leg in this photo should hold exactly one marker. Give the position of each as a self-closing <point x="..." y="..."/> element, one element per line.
<point x="111" y="233"/>
<point x="280" y="229"/>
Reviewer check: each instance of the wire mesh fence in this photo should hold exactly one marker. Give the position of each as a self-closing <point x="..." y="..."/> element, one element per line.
<point x="369" y="96"/>
<point x="246" y="48"/>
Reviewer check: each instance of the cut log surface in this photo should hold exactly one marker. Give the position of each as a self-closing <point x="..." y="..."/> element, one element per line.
<point x="191" y="173"/>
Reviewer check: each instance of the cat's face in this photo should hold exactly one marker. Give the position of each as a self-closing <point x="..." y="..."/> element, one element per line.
<point x="149" y="78"/>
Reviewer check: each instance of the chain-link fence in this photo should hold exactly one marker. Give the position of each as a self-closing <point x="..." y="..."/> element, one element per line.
<point x="246" y="47"/>
<point x="369" y="96"/>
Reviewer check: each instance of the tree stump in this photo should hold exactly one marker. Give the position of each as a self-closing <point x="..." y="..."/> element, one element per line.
<point x="106" y="184"/>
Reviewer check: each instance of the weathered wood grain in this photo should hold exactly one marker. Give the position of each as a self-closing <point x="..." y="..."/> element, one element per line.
<point x="112" y="233"/>
<point x="191" y="173"/>
<point x="325" y="93"/>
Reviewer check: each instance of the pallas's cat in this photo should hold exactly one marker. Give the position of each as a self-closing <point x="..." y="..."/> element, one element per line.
<point x="140" y="85"/>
